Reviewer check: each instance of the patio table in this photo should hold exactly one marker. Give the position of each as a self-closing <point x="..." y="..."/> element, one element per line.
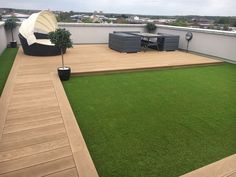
<point x="146" y="37"/>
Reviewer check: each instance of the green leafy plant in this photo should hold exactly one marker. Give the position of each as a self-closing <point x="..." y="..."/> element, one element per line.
<point x="10" y="24"/>
<point x="151" y="27"/>
<point x="61" y="39"/>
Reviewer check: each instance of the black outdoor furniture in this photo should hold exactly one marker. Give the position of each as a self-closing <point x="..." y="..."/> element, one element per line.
<point x="149" y="40"/>
<point x="168" y="42"/>
<point x="41" y="36"/>
<point x="33" y="34"/>
<point x="38" y="49"/>
<point x="132" y="41"/>
<point x="124" y="42"/>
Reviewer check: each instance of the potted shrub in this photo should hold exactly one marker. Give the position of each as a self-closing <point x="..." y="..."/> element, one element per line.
<point x="151" y="27"/>
<point x="61" y="39"/>
<point x="10" y="24"/>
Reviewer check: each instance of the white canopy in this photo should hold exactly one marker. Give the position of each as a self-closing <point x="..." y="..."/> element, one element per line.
<point x="43" y="22"/>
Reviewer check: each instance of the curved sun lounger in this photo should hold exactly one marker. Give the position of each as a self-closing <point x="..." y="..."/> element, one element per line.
<point x="33" y="34"/>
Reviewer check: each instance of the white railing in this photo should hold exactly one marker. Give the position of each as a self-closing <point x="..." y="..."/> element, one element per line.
<point x="210" y="42"/>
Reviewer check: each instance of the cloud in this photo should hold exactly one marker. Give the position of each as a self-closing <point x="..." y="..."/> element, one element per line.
<point x="152" y="7"/>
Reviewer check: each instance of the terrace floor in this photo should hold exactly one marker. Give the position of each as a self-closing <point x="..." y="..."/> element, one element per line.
<point x="39" y="135"/>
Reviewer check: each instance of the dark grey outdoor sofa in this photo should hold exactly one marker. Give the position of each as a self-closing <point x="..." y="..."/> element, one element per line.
<point x="124" y="42"/>
<point x="168" y="42"/>
<point x="38" y="49"/>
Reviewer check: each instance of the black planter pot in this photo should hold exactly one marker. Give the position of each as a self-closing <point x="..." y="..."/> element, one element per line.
<point x="13" y="44"/>
<point x="64" y="73"/>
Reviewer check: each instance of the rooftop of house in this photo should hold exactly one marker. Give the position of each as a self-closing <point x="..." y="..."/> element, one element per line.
<point x="38" y="131"/>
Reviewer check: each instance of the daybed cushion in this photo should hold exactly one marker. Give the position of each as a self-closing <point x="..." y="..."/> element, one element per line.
<point x="45" y="42"/>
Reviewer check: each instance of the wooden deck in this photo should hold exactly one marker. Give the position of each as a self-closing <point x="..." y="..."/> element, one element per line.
<point x="39" y="135"/>
<point x="222" y="168"/>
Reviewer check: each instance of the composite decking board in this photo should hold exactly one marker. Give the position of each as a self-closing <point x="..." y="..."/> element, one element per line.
<point x="33" y="95"/>
<point x="44" y="169"/>
<point x="34" y="149"/>
<point x="39" y="135"/>
<point x="7" y="146"/>
<point x="32" y="119"/>
<point x="33" y="111"/>
<point x="14" y="119"/>
<point x="35" y="159"/>
<point x="31" y="125"/>
<point x="222" y="168"/>
<point x="33" y="133"/>
<point x="30" y="78"/>
<point x="32" y="102"/>
<point x="69" y="172"/>
<point x="33" y="85"/>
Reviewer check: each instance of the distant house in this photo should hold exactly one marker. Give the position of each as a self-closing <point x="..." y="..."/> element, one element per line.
<point x="76" y="17"/>
<point x="2" y="11"/>
<point x="112" y="19"/>
<point x="202" y="23"/>
<point x="134" y="18"/>
<point x="19" y="16"/>
<point x="97" y="18"/>
<point x="164" y="21"/>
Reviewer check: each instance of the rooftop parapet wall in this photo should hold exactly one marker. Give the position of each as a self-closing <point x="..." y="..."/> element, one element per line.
<point x="210" y="42"/>
<point x="96" y="33"/>
<point x="3" y="38"/>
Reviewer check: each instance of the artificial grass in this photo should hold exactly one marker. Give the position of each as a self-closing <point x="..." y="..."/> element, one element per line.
<point x="6" y="61"/>
<point x="156" y="123"/>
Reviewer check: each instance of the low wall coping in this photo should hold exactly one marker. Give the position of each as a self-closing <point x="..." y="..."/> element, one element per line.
<point x="99" y="25"/>
<point x="198" y="30"/>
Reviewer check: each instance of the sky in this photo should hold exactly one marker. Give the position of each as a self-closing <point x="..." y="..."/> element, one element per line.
<point x="146" y="7"/>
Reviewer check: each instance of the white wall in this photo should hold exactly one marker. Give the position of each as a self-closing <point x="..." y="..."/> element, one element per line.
<point x="3" y="38"/>
<point x="15" y="33"/>
<point x="211" y="42"/>
<point x="96" y="33"/>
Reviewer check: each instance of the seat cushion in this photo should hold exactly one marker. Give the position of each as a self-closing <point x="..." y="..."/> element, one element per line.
<point x="45" y="42"/>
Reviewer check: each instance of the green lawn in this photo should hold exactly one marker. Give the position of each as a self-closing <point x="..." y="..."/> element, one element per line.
<point x="156" y="123"/>
<point x="6" y="60"/>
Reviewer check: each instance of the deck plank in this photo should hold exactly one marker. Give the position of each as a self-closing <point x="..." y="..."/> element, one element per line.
<point x="36" y="159"/>
<point x="44" y="169"/>
<point x="32" y="119"/>
<point x="36" y="112"/>
<point x="34" y="149"/>
<point x="7" y="146"/>
<point x="31" y="125"/>
<point x="70" y="173"/>
<point x="33" y="133"/>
